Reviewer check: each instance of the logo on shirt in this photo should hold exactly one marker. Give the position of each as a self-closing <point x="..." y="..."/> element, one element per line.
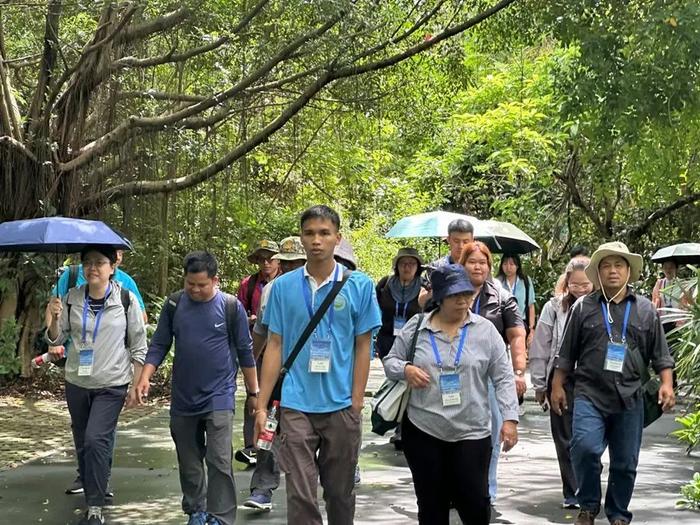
<point x="339" y="303"/>
<point x="218" y="325"/>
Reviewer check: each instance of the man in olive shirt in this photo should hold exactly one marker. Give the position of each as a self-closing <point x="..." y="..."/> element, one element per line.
<point x="603" y="332"/>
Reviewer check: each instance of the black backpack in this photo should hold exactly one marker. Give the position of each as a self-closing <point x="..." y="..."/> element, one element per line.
<point x="231" y="315"/>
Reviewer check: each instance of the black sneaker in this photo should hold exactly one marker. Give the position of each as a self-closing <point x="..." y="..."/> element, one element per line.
<point x="94" y="520"/>
<point x="247" y="456"/>
<point x="76" y="487"/>
<point x="109" y="493"/>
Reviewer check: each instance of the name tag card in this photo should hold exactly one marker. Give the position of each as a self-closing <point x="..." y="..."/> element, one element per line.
<point x="451" y="390"/>
<point x="615" y="357"/>
<point x="399" y="323"/>
<point x="85" y="361"/>
<point x="320" y="361"/>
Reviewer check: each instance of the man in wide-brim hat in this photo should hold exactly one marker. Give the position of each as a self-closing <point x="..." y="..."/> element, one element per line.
<point x="611" y="334"/>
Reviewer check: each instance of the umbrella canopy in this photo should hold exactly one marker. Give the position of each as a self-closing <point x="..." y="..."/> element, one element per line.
<point x="498" y="236"/>
<point x="508" y="238"/>
<point x="685" y="253"/>
<point x="57" y="234"/>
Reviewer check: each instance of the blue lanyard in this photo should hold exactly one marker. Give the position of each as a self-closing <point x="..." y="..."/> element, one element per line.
<point x="405" y="309"/>
<point x="606" y="308"/>
<point x="462" y="340"/>
<point x="98" y="315"/>
<point x="309" y="304"/>
<point x="515" y="285"/>
<point x="476" y="307"/>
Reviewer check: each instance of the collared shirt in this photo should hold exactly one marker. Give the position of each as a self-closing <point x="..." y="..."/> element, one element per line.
<point x="498" y="306"/>
<point x="585" y="343"/>
<point x="483" y="358"/>
<point x="112" y="360"/>
<point x="520" y="293"/>
<point x="120" y="276"/>
<point x="355" y="313"/>
<point x="243" y="291"/>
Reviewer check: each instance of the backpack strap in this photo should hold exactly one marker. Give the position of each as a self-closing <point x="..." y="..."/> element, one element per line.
<point x="231" y="320"/>
<point x="526" y="283"/>
<point x="73" y="271"/>
<point x="414" y="339"/>
<point x="126" y="302"/>
<point x="252" y="283"/>
<point x="170" y="305"/>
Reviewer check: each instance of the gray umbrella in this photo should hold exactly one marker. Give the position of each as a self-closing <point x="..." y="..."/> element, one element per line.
<point x="684" y="253"/>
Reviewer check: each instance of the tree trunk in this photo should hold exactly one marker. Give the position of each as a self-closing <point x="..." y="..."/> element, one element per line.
<point x="164" y="247"/>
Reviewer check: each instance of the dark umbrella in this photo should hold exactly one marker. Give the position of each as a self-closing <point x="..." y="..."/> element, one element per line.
<point x="58" y="235"/>
<point x="685" y="253"/>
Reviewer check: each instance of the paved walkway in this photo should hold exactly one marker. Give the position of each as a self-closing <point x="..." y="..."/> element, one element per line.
<point x="147" y="489"/>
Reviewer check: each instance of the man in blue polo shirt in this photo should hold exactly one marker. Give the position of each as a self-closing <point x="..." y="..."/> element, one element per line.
<point x="323" y="392"/>
<point x="203" y="386"/>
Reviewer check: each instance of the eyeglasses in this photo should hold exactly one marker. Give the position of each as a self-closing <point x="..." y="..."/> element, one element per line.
<point x="94" y="264"/>
<point x="580" y="286"/>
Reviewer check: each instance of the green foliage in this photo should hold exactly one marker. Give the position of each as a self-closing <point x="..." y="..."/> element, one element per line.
<point x="686" y="338"/>
<point x="10" y="365"/>
<point x="690" y="431"/>
<point x="691" y="494"/>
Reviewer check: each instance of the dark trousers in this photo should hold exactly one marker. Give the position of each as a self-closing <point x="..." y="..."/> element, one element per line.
<point x="448" y="472"/>
<point x="94" y="414"/>
<point x="323" y="447"/>
<point x="561" y="434"/>
<point x="199" y="439"/>
<point x="621" y="433"/>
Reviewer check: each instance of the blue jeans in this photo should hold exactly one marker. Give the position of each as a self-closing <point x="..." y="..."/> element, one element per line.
<point x="621" y="433"/>
<point x="496" y="424"/>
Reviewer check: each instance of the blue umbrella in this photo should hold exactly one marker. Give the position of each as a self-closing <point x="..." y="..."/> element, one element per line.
<point x="58" y="235"/>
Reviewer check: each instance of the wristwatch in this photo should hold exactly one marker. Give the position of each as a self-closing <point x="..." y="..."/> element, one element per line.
<point x="253" y="394"/>
<point x="518" y="373"/>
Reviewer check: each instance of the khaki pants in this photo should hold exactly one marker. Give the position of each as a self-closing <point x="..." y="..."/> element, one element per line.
<point x="325" y="446"/>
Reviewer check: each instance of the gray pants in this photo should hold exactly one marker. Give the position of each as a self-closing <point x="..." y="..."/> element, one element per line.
<point x="206" y="438"/>
<point x="336" y="437"/>
<point x="266" y="476"/>
<point x="94" y="413"/>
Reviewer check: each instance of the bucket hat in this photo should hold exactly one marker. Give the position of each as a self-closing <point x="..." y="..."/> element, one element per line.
<point x="345" y="254"/>
<point x="263" y="246"/>
<point x="449" y="279"/>
<point x="291" y="249"/>
<point x="407" y="252"/>
<point x="614" y="248"/>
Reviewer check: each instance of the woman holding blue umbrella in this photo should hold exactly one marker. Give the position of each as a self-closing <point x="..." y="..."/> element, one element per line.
<point x="105" y="323"/>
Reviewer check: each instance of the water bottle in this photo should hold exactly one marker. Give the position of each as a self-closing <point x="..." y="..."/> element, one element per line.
<point x="47" y="358"/>
<point x="268" y="435"/>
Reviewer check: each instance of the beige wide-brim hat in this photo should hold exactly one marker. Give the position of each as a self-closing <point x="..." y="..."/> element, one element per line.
<point x="614" y="248"/>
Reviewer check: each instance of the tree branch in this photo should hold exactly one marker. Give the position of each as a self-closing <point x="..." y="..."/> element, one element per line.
<point x="16" y="145"/>
<point x="349" y="71"/>
<point x="635" y="232"/>
<point x="169" y="57"/>
<point x="137" y="124"/>
<point x="156" y="25"/>
<point x="248" y="17"/>
<point x="159" y="95"/>
<point x="187" y="181"/>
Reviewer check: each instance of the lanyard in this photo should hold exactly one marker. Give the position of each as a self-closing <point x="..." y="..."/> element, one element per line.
<point x="515" y="285"/>
<point x="476" y="307"/>
<point x="98" y="315"/>
<point x="405" y="309"/>
<point x="606" y="310"/>
<point x="306" y="287"/>
<point x="438" y="359"/>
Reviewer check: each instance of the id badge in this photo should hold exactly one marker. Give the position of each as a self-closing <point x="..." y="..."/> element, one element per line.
<point x="399" y="323"/>
<point x="85" y="361"/>
<point x="615" y="358"/>
<point x="450" y="389"/>
<point x="320" y="361"/>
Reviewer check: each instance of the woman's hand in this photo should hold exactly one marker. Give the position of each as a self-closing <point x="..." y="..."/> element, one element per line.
<point x="57" y="351"/>
<point x="509" y="435"/>
<point x="55" y="308"/>
<point x="416" y="377"/>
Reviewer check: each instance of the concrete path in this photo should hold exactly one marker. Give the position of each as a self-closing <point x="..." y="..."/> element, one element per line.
<point x="147" y="490"/>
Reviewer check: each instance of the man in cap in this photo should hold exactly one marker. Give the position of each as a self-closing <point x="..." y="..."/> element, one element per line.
<point x="610" y="335"/>
<point x="249" y="294"/>
<point x="266" y="477"/>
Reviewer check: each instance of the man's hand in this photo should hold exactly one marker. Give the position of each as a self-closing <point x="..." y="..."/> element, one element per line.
<point x="520" y="385"/>
<point x="667" y="398"/>
<point x="530" y="337"/>
<point x="251" y="404"/>
<point x="357" y="408"/>
<point x="424" y="296"/>
<point x="141" y="391"/>
<point x="416" y="377"/>
<point x="260" y="420"/>
<point x="558" y="399"/>
<point x="251" y="319"/>
<point x="509" y="435"/>
<point x="540" y="396"/>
